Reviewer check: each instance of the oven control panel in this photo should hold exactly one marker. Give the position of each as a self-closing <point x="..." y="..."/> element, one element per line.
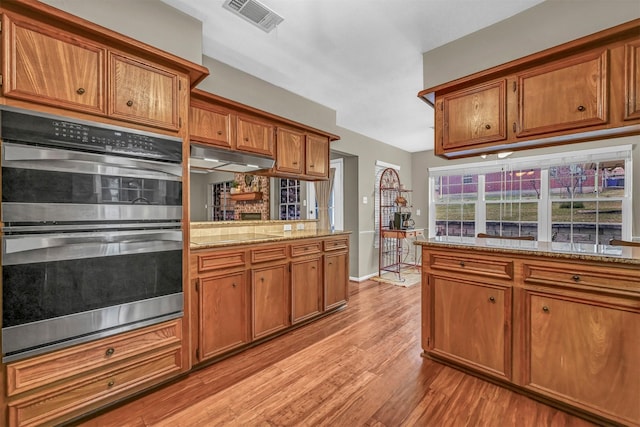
<point x="30" y="127"/>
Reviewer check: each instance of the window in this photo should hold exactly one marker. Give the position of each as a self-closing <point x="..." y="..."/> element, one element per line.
<point x="581" y="197"/>
<point x="289" y="204"/>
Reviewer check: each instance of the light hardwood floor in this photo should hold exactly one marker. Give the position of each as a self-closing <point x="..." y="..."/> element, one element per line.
<point x="358" y="367"/>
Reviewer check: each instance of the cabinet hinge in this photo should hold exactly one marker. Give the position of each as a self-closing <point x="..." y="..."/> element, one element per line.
<point x="197" y="286"/>
<point x="179" y="122"/>
<point x="179" y="84"/>
<point x="197" y="353"/>
<point x="289" y="268"/>
<point x="515" y="86"/>
<point x="0" y="26"/>
<point x="428" y="341"/>
<point x="0" y="79"/>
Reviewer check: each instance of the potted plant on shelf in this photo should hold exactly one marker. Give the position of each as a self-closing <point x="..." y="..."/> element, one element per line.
<point x="234" y="187"/>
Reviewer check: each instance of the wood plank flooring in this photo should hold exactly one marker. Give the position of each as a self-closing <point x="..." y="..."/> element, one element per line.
<point x="358" y="367"/>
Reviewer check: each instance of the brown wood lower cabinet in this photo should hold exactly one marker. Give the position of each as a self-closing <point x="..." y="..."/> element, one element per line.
<point x="257" y="291"/>
<point x="224" y="300"/>
<point x="270" y="299"/>
<point x="56" y="387"/>
<point x="568" y="332"/>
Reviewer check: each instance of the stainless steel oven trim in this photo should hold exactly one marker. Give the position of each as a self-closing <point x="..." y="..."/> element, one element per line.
<point x="53" y="159"/>
<point x="32" y="248"/>
<point x="33" y="337"/>
<point x="55" y="212"/>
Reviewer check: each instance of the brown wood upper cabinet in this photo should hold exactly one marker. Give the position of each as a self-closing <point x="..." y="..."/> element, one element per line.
<point x="290" y="146"/>
<point x="42" y="65"/>
<point x="317" y="156"/>
<point x="255" y="136"/>
<point x="567" y="94"/>
<point x="212" y="125"/>
<point x="586" y="89"/>
<point x="143" y="93"/>
<point x="475" y="115"/>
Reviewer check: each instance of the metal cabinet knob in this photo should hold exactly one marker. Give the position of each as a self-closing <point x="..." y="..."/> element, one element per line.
<point x="219" y="132"/>
<point x="545" y="309"/>
<point x="246" y="139"/>
<point x="80" y="91"/>
<point x="581" y="108"/>
<point x="461" y="263"/>
<point x="233" y="284"/>
<point x="576" y="278"/>
<point x="111" y="383"/>
<point x="492" y="299"/>
<point x="487" y="126"/>
<point x="129" y="103"/>
<point x="109" y="352"/>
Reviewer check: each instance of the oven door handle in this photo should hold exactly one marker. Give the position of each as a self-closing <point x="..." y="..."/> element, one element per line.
<point x="29" y="157"/>
<point x="26" y="249"/>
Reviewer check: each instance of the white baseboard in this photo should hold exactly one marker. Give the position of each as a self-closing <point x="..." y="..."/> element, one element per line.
<point x="363" y="278"/>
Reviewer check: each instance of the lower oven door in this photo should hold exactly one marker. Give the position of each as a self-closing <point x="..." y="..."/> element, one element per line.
<point x="64" y="288"/>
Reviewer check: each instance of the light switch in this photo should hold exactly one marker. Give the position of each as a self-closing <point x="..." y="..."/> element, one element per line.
<point x="364" y="200"/>
<point x="287" y="227"/>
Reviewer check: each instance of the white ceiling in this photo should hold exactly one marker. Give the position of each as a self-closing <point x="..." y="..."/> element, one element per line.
<point x="361" y="58"/>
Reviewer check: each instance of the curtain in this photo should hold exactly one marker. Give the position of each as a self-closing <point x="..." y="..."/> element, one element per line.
<point x="323" y="194"/>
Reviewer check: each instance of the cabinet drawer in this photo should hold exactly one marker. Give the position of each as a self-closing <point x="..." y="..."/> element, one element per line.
<point x="306" y="248"/>
<point x="578" y="275"/>
<point x="90" y="392"/>
<point x="496" y="268"/>
<point x="333" y="244"/>
<point x="270" y="253"/>
<point x="38" y="371"/>
<point x="222" y="259"/>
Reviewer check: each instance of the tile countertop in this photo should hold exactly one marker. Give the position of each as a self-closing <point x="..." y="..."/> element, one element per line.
<point x="558" y="250"/>
<point x="234" y="239"/>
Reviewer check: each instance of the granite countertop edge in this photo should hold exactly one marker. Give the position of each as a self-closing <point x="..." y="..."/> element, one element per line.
<point x="226" y="241"/>
<point x="633" y="257"/>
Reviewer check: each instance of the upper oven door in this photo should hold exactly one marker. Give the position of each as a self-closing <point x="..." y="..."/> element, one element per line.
<point x="41" y="184"/>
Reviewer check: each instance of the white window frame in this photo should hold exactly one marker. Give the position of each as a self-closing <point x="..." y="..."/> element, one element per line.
<point x="619" y="152"/>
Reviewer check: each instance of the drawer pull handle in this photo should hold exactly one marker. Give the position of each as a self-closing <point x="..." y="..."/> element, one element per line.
<point x="576" y="278"/>
<point x="487" y="127"/>
<point x="581" y="108"/>
<point x="111" y="383"/>
<point x="80" y="91"/>
<point x="110" y="351"/>
<point x="545" y="309"/>
<point x="129" y="103"/>
<point x="461" y="263"/>
<point x="492" y="299"/>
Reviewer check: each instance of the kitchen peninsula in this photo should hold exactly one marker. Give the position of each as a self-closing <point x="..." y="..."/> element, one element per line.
<point x="557" y="321"/>
<point x="261" y="278"/>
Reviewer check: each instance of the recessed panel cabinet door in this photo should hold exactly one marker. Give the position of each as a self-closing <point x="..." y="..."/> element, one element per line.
<point x="211" y="126"/>
<point x="586" y="353"/>
<point x="224" y="313"/>
<point x="49" y="67"/>
<point x="564" y="95"/>
<point x="474" y="116"/>
<point x="306" y="289"/>
<point x="471" y="324"/>
<point x="317" y="153"/>
<point x="336" y="281"/>
<point x="270" y="293"/>
<point x="143" y="93"/>
<point x="289" y="151"/>
<point x="255" y="136"/>
<point x="632" y="77"/>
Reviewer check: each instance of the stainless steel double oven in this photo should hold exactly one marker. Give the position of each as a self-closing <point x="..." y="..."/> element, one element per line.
<point x="91" y="231"/>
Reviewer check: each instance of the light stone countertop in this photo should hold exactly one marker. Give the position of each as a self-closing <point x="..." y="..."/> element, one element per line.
<point x="556" y="250"/>
<point x="248" y="238"/>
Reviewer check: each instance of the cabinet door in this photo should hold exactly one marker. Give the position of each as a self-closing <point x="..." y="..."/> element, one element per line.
<point x="211" y="126"/>
<point x="46" y="66"/>
<point x="586" y="353"/>
<point x="270" y="293"/>
<point x="474" y="116"/>
<point x="306" y="289"/>
<point x="632" y="80"/>
<point x="224" y="313"/>
<point x="317" y="156"/>
<point x="255" y="136"/>
<point x="566" y="94"/>
<point x="143" y="93"/>
<point x="336" y="279"/>
<point x="289" y="151"/>
<point x="471" y="324"/>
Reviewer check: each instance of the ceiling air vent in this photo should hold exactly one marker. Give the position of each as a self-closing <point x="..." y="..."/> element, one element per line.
<point x="254" y="12"/>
